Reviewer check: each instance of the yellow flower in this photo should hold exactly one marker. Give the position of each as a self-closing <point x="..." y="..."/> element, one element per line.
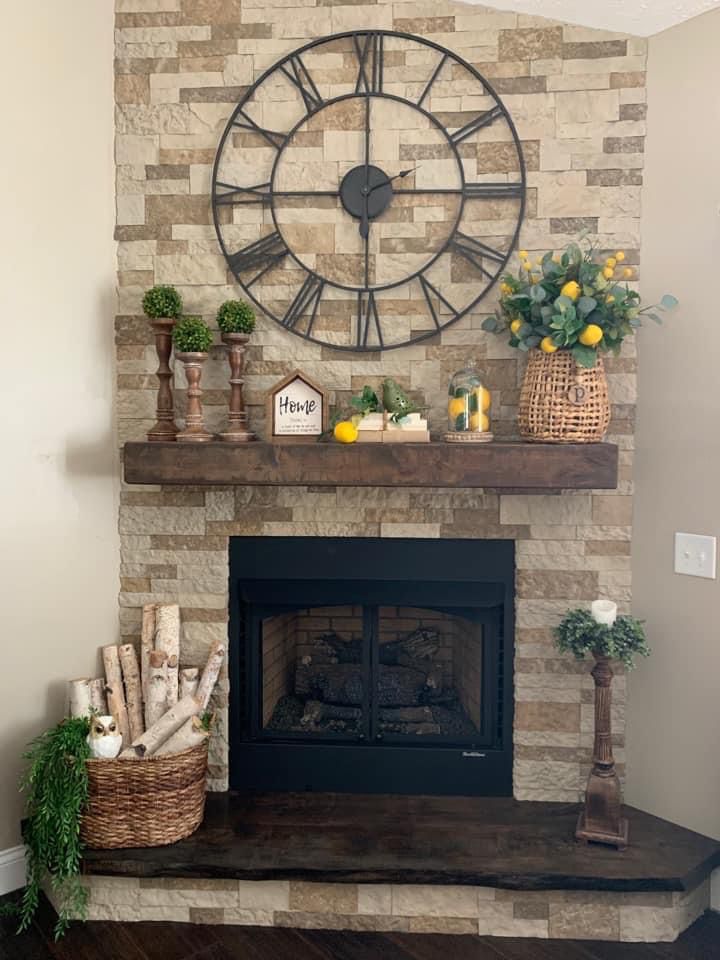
<point x="611" y="262"/>
<point x="523" y="254"/>
<point x="608" y="273"/>
<point x="505" y="289"/>
<point x="527" y="266"/>
<point x="591" y="335"/>
<point x="627" y="273"/>
<point x="515" y="325"/>
<point x="610" y="299"/>
<point x="556" y="260"/>
<point x="547" y="345"/>
<point x="571" y="290"/>
<point x="620" y="256"/>
<point x="345" y="432"/>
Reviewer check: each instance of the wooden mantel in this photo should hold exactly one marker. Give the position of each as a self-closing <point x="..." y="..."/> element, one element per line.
<point x="519" y="466"/>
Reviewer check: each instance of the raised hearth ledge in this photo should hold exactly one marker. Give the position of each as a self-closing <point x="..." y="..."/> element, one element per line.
<point x="497" y="465"/>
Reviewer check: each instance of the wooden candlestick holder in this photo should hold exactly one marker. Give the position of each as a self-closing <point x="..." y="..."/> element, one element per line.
<point x="165" y="428"/>
<point x="601" y="819"/>
<point x="236" y="431"/>
<point x="194" y="431"/>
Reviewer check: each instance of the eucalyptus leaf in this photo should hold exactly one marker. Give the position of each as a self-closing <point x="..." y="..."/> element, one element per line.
<point x="490" y="324"/>
<point x="533" y="341"/>
<point x="563" y="302"/>
<point x="538" y="293"/>
<point x="669" y="302"/>
<point x="586" y="305"/>
<point x="585" y="356"/>
<point x="525" y="331"/>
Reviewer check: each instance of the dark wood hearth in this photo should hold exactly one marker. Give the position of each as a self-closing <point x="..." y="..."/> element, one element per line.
<point x="442" y="840"/>
<point x="518" y="466"/>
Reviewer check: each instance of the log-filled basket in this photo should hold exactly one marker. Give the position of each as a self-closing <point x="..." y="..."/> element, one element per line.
<point x="147" y="802"/>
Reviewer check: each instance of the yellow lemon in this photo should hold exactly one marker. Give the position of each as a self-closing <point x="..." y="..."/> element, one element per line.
<point x="527" y="266"/>
<point x="456" y="406"/>
<point x="611" y="262"/>
<point x="483" y="397"/>
<point x="627" y="273"/>
<point x="523" y="254"/>
<point x="571" y="290"/>
<point x="620" y="256"/>
<point x="608" y="273"/>
<point x="505" y="289"/>
<point x="547" y="345"/>
<point x="591" y="335"/>
<point x="345" y="432"/>
<point x="515" y="325"/>
<point x="610" y="299"/>
<point x="479" y="422"/>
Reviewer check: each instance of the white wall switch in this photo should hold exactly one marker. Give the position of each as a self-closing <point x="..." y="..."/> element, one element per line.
<point x="695" y="556"/>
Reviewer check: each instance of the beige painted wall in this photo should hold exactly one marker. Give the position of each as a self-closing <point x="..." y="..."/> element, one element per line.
<point x="674" y="704"/>
<point x="58" y="487"/>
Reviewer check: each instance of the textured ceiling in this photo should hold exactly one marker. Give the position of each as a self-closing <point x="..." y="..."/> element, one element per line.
<point x="641" y="17"/>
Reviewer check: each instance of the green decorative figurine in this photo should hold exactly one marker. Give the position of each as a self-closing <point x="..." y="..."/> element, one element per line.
<point x="396" y="402"/>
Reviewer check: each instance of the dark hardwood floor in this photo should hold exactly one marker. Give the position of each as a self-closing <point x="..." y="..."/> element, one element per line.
<point x="175" y="941"/>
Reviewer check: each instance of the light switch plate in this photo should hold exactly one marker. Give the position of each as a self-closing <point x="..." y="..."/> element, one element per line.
<point x="695" y="555"/>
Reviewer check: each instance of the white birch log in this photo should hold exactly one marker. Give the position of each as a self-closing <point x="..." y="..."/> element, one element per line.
<point x="191" y="734"/>
<point x="210" y="674"/>
<point x="79" y="697"/>
<point x="115" y="692"/>
<point x="133" y="689"/>
<point x="164" y="728"/>
<point x="147" y="644"/>
<point x="167" y="639"/>
<point x="189" y="679"/>
<point x="98" y="703"/>
<point x="156" y="701"/>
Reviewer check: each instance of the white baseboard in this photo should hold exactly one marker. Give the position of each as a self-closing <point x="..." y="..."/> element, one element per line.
<point x="715" y="890"/>
<point x="12" y="869"/>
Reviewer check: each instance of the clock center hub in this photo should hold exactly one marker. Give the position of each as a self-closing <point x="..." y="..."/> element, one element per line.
<point x="362" y="185"/>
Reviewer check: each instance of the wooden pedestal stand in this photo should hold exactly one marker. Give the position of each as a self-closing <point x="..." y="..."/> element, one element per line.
<point x="600" y="820"/>
<point x="237" y="431"/>
<point x="194" y="431"/>
<point x="165" y="428"/>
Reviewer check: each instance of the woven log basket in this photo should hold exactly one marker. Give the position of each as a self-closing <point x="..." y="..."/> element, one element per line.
<point x="145" y="803"/>
<point x="562" y="402"/>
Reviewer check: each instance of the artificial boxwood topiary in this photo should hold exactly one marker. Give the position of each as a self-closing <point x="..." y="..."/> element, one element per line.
<point x="579" y="634"/>
<point x="236" y="316"/>
<point x="162" y="301"/>
<point x="192" y="335"/>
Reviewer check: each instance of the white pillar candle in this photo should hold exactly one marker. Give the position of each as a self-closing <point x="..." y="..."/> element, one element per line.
<point x="604" y="611"/>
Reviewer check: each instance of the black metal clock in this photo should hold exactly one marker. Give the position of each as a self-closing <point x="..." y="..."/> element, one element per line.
<point x="368" y="190"/>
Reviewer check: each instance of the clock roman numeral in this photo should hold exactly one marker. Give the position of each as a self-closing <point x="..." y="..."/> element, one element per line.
<point x="475" y="252"/>
<point x="308" y="298"/>
<point x="297" y="73"/>
<point x="430" y="291"/>
<point x="240" y="196"/>
<point x="492" y="191"/>
<point x="370" y="53"/>
<point x="246" y="122"/>
<point x="482" y="120"/>
<point x="441" y="63"/>
<point x="367" y="315"/>
<point x="262" y="254"/>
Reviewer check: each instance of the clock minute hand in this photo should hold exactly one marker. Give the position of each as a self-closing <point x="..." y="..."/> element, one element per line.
<point x="398" y="176"/>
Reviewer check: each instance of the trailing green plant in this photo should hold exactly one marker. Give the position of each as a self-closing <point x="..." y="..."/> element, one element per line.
<point x="162" y="301"/>
<point x="574" y="302"/>
<point x="578" y="633"/>
<point x="236" y="316"/>
<point x="56" y="783"/>
<point x="192" y="335"/>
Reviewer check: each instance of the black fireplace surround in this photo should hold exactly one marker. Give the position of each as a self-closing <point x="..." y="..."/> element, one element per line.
<point x="367" y="665"/>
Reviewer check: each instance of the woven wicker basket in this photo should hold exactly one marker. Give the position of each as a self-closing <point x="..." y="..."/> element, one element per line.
<point x="145" y="803"/>
<point x="562" y="402"/>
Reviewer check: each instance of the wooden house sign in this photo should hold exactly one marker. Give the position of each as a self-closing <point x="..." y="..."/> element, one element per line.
<point x="297" y="409"/>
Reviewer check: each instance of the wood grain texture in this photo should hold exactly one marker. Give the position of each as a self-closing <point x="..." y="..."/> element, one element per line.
<point x="393" y="839"/>
<point x="519" y="466"/>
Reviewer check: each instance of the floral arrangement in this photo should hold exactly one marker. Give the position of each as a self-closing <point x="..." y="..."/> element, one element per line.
<point x="622" y="639"/>
<point x="572" y="301"/>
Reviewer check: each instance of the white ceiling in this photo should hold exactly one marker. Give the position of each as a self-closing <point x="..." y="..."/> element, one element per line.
<point x="641" y="17"/>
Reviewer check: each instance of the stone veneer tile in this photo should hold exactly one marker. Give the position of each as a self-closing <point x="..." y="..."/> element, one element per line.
<point x="375" y="898"/>
<point x="323" y="897"/>
<point x="584" y="922"/>
<point x="423" y="900"/>
<point x="264" y="894"/>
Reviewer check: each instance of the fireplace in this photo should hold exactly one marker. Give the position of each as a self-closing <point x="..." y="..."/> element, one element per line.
<point x="371" y="665"/>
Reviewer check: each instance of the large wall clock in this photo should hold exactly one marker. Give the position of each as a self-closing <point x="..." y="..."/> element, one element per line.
<point x="368" y="190"/>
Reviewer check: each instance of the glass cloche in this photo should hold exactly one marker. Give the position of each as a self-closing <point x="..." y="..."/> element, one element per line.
<point x="468" y="407"/>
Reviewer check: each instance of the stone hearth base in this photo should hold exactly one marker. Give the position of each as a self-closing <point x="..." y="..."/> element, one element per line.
<point x="412" y="908"/>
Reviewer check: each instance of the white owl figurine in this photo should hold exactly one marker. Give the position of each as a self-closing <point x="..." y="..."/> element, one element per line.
<point x="104" y="739"/>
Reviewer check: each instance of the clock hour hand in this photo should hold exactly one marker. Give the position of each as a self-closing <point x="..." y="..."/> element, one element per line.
<point x="398" y="176"/>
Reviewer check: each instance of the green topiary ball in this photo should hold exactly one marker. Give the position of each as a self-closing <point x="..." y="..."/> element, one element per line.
<point x="192" y="335"/>
<point x="162" y="302"/>
<point x="236" y="316"/>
